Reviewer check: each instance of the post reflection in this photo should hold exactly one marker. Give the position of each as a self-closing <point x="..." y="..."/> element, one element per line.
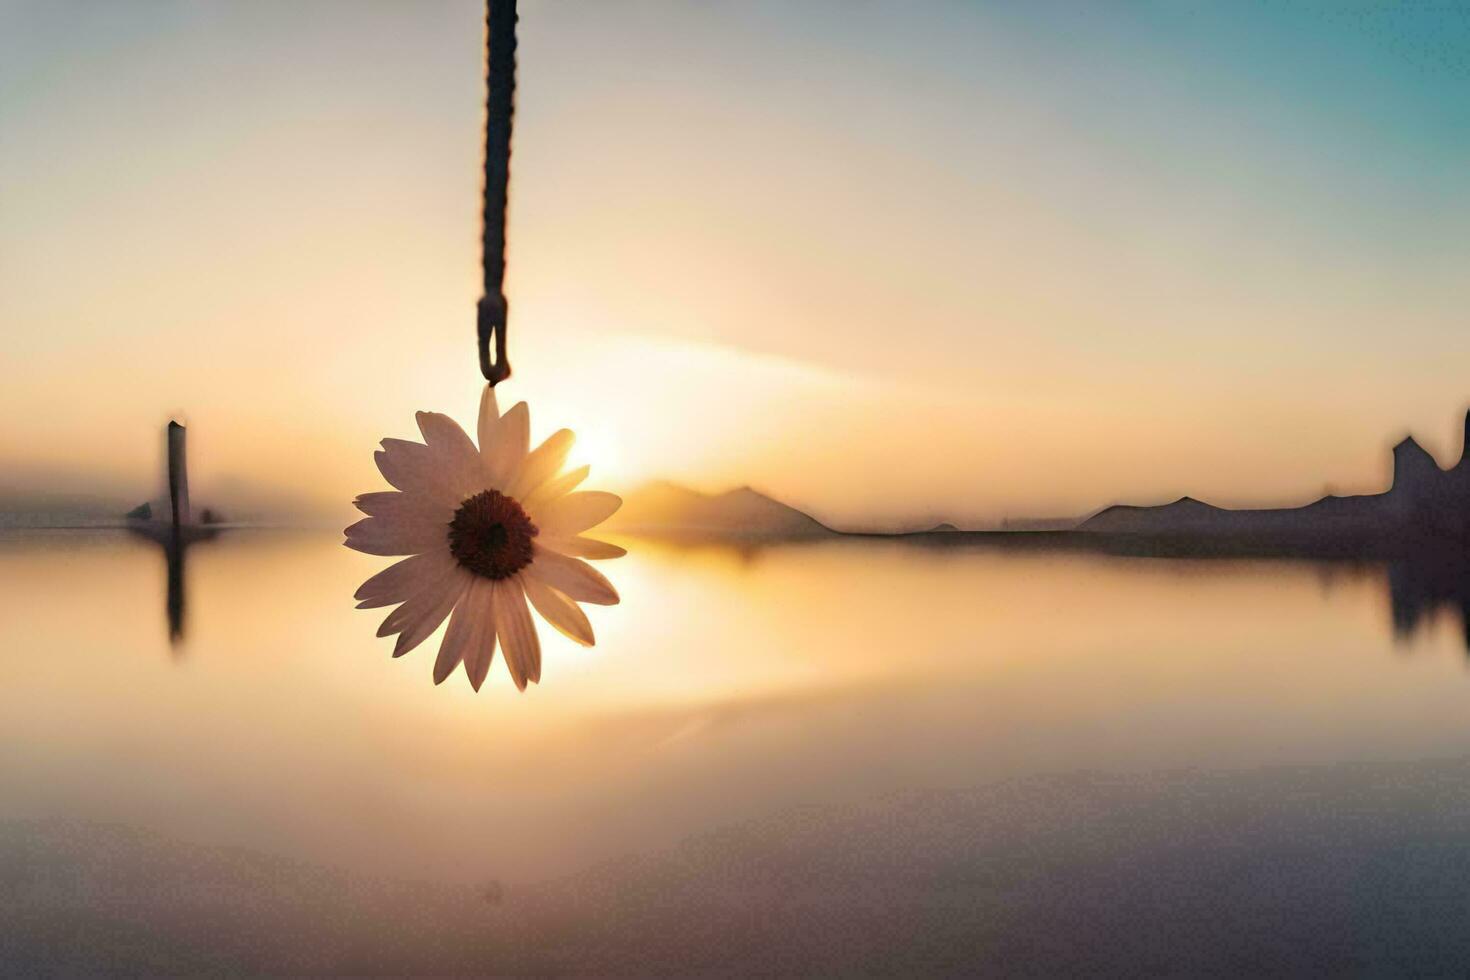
<point x="174" y="542"/>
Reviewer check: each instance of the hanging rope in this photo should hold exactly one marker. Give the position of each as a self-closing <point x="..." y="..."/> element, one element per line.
<point x="500" y="86"/>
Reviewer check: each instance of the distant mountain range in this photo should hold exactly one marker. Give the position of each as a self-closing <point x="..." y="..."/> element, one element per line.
<point x="671" y="509"/>
<point x="1423" y="503"/>
<point x="1424" y="506"/>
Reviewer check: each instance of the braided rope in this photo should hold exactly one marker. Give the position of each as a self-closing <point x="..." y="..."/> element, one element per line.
<point x="500" y="84"/>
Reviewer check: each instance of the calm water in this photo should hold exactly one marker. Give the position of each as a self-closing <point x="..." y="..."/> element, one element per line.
<point x="856" y="756"/>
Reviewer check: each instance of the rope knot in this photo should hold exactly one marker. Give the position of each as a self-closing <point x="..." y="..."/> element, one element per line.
<point x="491" y="324"/>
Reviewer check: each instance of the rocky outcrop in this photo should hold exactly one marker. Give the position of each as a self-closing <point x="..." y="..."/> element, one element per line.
<point x="1416" y="478"/>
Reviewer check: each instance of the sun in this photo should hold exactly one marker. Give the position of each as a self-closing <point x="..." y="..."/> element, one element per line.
<point x="598" y="447"/>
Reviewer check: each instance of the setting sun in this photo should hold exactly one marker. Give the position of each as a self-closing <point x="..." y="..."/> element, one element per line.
<point x="597" y="447"/>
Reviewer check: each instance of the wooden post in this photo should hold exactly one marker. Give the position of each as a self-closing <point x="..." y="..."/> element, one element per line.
<point x="178" y="476"/>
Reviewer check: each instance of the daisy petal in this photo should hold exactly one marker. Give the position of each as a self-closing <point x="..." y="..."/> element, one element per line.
<point x="394" y="504"/>
<point x="559" y="487"/>
<point x="559" y="611"/>
<point x="421" y="593"/>
<point x="484" y="654"/>
<point x="481" y="652"/>
<point x="504" y="454"/>
<point x="439" y="430"/>
<point x="462" y="626"/>
<point x="580" y="547"/>
<point x="431" y="612"/>
<point x="517" y="632"/>
<point x="403" y="579"/>
<point x="489" y="418"/>
<point x="402" y="462"/>
<point x="458" y="456"/>
<point x="381" y="536"/>
<point x="542" y="464"/>
<point x="416" y="468"/>
<point x="459" y="638"/>
<point x="579" y="580"/>
<point x="576" y="512"/>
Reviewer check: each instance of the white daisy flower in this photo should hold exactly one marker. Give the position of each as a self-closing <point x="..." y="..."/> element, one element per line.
<point x="485" y="529"/>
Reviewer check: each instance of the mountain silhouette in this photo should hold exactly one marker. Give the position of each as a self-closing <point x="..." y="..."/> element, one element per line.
<point x="668" y="508"/>
<point x="1423" y="505"/>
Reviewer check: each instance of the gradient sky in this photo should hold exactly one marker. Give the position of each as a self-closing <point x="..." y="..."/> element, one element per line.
<point x="885" y="260"/>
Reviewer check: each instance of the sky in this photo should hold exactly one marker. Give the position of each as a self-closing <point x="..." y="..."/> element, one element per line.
<point x="889" y="261"/>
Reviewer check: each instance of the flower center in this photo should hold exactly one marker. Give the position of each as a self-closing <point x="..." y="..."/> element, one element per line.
<point x="491" y="535"/>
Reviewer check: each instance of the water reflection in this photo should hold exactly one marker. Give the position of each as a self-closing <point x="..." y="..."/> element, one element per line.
<point x="733" y="680"/>
<point x="1420" y="588"/>
<point x="1420" y="591"/>
<point x="860" y="707"/>
<point x="174" y="542"/>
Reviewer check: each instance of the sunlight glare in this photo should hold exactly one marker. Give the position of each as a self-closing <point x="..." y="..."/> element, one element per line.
<point x="598" y="447"/>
